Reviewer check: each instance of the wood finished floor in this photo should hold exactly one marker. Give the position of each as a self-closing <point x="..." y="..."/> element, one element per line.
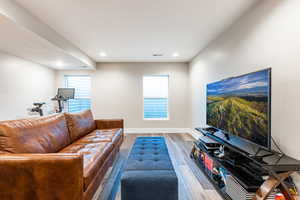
<point x="193" y="185"/>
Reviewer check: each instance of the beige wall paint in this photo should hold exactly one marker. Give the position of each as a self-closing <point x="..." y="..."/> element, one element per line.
<point x="117" y="92"/>
<point x="267" y="36"/>
<point x="22" y="83"/>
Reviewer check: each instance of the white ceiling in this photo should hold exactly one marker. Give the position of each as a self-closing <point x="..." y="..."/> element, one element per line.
<point x="133" y="30"/>
<point x="23" y="43"/>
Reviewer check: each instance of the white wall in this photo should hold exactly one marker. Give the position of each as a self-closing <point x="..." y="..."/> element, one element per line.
<point x="117" y="92"/>
<point x="267" y="36"/>
<point x="22" y="83"/>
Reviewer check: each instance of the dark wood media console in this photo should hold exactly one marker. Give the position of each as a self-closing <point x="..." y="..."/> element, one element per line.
<point x="244" y="170"/>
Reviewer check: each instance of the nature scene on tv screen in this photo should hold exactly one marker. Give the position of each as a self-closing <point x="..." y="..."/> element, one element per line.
<point x="239" y="106"/>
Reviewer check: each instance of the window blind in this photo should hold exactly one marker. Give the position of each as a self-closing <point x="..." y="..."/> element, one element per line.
<point x="82" y="85"/>
<point x="155" y="94"/>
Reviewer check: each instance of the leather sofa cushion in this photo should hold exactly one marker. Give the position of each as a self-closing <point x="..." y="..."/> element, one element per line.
<point x="94" y="155"/>
<point x="35" y="135"/>
<point x="107" y="135"/>
<point x="80" y="124"/>
<point x="114" y="134"/>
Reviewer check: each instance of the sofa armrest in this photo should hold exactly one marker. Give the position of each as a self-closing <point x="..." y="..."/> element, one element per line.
<point x="41" y="176"/>
<point x="109" y="123"/>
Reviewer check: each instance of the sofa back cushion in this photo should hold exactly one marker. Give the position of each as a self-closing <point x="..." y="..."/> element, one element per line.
<point x="34" y="135"/>
<point x="80" y="124"/>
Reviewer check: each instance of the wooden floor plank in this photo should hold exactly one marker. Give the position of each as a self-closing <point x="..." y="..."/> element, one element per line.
<point x="193" y="185"/>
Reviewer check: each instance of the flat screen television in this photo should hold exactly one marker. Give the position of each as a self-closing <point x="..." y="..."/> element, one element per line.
<point x="241" y="106"/>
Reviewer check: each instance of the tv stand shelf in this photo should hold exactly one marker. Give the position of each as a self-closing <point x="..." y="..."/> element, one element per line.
<point x="249" y="182"/>
<point x="242" y="167"/>
<point x="267" y="160"/>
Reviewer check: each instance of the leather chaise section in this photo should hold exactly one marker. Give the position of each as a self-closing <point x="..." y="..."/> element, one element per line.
<point x="41" y="176"/>
<point x="114" y="134"/>
<point x="93" y="186"/>
<point x="108" y="135"/>
<point x="94" y="155"/>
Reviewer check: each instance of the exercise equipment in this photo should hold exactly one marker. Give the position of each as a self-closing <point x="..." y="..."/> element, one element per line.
<point x="63" y="95"/>
<point x="38" y="108"/>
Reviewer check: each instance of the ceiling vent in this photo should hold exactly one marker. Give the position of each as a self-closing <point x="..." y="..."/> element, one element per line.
<point x="158" y="55"/>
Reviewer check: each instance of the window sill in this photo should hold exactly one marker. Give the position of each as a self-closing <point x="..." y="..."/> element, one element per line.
<point x="156" y="119"/>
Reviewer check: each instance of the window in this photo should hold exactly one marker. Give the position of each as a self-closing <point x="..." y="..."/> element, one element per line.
<point x="82" y="85"/>
<point x="155" y="93"/>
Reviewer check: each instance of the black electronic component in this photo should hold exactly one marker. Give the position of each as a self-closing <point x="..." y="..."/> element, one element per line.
<point x="236" y="173"/>
<point x="38" y="108"/>
<point x="63" y="95"/>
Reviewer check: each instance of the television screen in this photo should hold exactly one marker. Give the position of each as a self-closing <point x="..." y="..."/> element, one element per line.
<point x="241" y="106"/>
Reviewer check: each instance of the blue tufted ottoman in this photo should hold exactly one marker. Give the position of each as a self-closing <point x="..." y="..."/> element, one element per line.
<point x="149" y="173"/>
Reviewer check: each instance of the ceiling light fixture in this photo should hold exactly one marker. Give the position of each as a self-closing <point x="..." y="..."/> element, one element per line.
<point x="175" y="54"/>
<point x="59" y="64"/>
<point x="102" y="54"/>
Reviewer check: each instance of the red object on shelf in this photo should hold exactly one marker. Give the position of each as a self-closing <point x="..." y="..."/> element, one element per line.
<point x="279" y="196"/>
<point x="208" y="162"/>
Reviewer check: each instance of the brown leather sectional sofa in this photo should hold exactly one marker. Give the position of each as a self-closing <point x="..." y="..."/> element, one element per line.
<point x="59" y="157"/>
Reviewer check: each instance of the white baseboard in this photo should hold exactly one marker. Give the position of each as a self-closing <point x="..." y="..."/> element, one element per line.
<point x="155" y="130"/>
<point x="195" y="134"/>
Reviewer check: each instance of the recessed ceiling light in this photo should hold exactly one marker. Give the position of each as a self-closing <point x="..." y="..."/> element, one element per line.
<point x="59" y="64"/>
<point x="102" y="54"/>
<point x="175" y="54"/>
